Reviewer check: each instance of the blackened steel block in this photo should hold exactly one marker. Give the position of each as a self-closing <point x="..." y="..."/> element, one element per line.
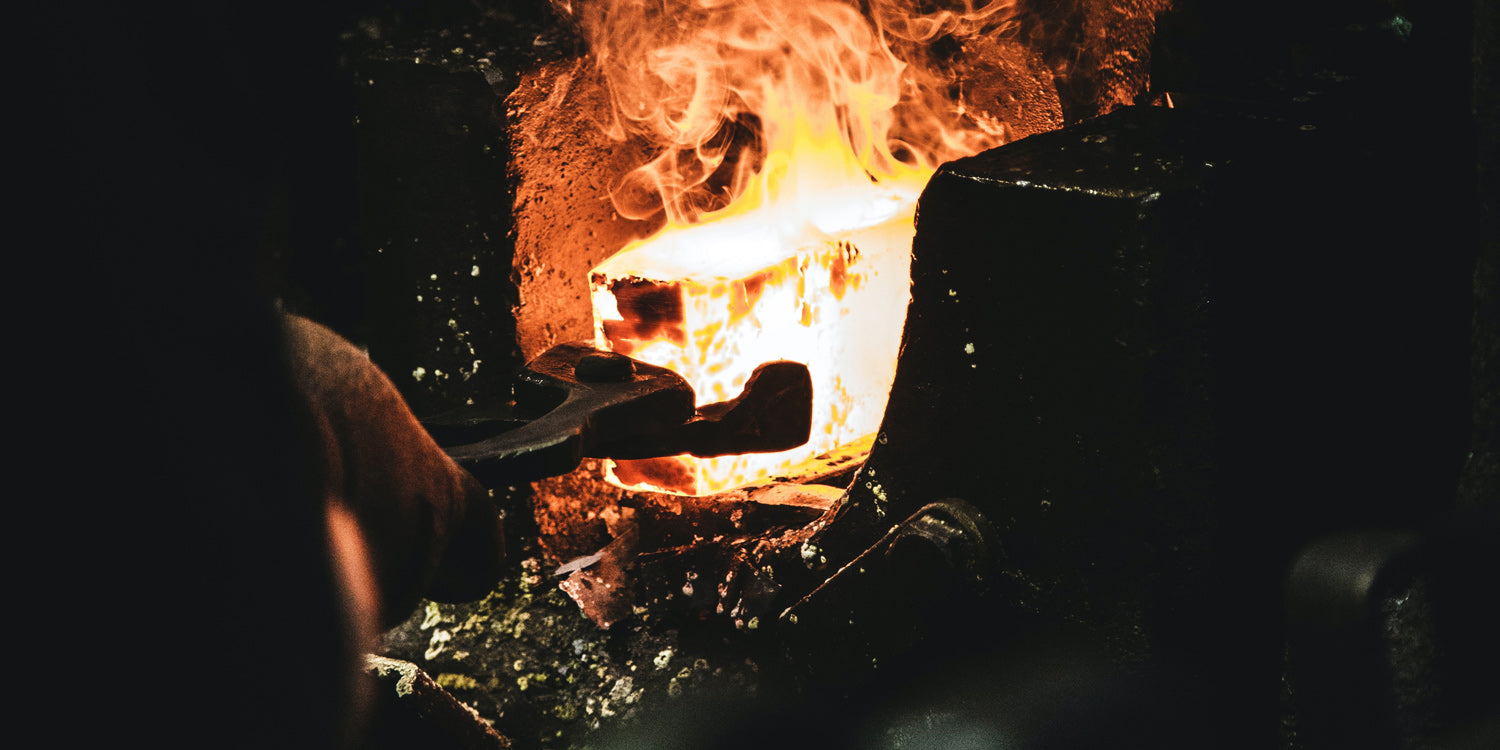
<point x="1166" y="348"/>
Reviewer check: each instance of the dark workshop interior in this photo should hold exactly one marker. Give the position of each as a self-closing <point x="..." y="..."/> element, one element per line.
<point x="1191" y="439"/>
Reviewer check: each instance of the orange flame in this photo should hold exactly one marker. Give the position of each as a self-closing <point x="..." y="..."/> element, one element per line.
<point x="795" y="136"/>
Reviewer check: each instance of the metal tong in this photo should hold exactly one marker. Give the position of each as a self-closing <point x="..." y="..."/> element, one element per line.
<point x="582" y="402"/>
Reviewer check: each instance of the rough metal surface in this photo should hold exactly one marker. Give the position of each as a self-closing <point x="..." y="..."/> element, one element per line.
<point x="1098" y="51"/>
<point x="1011" y="83"/>
<point x="577" y="512"/>
<point x="562" y="169"/>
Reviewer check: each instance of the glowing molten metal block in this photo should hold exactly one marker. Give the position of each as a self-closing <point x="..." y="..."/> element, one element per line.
<point x="713" y="301"/>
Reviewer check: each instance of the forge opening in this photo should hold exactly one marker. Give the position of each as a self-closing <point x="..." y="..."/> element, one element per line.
<point x="727" y="296"/>
<point x="810" y="219"/>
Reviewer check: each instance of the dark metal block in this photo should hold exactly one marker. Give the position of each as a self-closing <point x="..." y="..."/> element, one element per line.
<point x="1176" y="345"/>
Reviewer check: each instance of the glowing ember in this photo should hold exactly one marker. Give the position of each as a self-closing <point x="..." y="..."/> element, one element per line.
<point x="836" y="305"/>
<point x="794" y="142"/>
